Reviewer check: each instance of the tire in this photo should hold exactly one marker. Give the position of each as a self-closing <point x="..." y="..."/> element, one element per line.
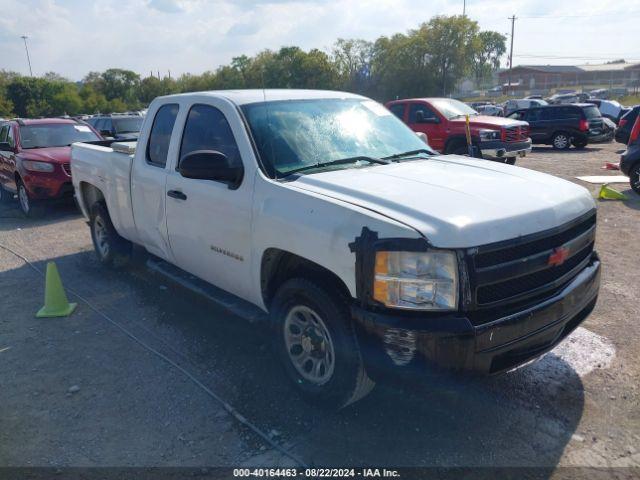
<point x="511" y="160"/>
<point x="111" y="249"/>
<point x="28" y="206"/>
<point x="313" y="325"/>
<point x="561" y="141"/>
<point x="634" y="178"/>
<point x="580" y="143"/>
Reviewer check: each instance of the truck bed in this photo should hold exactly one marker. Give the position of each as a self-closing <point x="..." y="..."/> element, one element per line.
<point x="106" y="166"/>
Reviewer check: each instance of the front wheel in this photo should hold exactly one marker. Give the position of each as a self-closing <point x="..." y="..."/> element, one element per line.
<point x="316" y="342"/>
<point x="26" y="203"/>
<point x="634" y="178"/>
<point x="580" y="143"/>
<point x="111" y="248"/>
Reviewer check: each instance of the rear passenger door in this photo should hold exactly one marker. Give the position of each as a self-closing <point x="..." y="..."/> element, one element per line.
<point x="149" y="178"/>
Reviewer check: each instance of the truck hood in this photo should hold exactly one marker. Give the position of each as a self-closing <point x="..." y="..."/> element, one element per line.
<point x="455" y="201"/>
<point x="48" y="154"/>
<point x="487" y="121"/>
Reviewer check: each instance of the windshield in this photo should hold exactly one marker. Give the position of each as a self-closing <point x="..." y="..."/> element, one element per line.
<point x="55" y="135"/>
<point x="451" y="108"/>
<point x="296" y="133"/>
<point x="127" y="125"/>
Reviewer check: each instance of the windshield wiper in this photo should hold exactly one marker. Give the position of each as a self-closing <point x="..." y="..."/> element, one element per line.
<point x="409" y="153"/>
<point x="341" y="161"/>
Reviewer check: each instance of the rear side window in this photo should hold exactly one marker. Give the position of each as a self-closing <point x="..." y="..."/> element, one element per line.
<point x="160" y="137"/>
<point x="207" y="129"/>
<point x="549" y="114"/>
<point x="592" y="112"/>
<point x="533" y="115"/>
<point x="3" y="133"/>
<point x="398" y="110"/>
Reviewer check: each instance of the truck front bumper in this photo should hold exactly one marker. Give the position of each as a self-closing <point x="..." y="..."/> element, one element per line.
<point x="498" y="149"/>
<point x="392" y="341"/>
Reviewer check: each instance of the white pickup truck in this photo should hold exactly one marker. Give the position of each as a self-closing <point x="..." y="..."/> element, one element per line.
<point x="367" y="252"/>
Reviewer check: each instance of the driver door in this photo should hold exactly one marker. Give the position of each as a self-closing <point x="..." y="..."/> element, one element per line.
<point x="423" y="119"/>
<point x="209" y="223"/>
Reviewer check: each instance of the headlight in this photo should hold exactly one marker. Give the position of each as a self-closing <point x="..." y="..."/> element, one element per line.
<point x="417" y="280"/>
<point x="489" y="134"/>
<point x="34" y="166"/>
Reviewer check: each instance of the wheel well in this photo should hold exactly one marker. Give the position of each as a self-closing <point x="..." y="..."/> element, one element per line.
<point x="90" y="195"/>
<point x="454" y="142"/>
<point x="278" y="266"/>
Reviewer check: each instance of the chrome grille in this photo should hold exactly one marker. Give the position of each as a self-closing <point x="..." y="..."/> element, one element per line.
<point x="515" y="134"/>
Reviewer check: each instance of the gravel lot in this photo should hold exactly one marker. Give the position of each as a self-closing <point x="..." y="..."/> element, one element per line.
<point x="78" y="391"/>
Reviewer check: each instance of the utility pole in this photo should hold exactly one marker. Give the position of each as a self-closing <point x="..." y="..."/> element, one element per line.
<point x="464" y="8"/>
<point x="513" y="22"/>
<point x="24" y="37"/>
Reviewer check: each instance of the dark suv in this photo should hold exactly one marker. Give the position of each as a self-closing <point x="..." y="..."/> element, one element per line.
<point x="563" y="125"/>
<point x="626" y="124"/>
<point x="118" y="127"/>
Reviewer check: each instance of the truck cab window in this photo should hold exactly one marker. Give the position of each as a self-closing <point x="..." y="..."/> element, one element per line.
<point x="160" y="137"/>
<point x="427" y="113"/>
<point x="398" y="110"/>
<point x="207" y="129"/>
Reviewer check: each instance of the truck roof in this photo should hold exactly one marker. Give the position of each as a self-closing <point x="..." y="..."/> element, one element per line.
<point x="242" y="97"/>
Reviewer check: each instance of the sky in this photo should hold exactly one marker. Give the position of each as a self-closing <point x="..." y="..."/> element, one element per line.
<point x="73" y="37"/>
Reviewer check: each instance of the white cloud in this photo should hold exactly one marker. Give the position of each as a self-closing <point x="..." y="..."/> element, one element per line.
<point x="73" y="37"/>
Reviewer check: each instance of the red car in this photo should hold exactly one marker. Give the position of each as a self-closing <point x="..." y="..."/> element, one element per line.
<point x="34" y="158"/>
<point x="443" y="121"/>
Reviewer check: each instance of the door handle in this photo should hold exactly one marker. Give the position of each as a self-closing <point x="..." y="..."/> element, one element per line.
<point x="177" y="194"/>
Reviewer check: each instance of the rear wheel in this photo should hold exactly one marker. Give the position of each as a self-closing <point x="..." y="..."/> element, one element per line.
<point x="634" y="178"/>
<point x="316" y="342"/>
<point x="111" y="248"/>
<point x="561" y="141"/>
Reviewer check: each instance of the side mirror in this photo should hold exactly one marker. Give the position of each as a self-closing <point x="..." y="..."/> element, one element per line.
<point x="5" y="147"/>
<point x="211" y="165"/>
<point x="423" y="136"/>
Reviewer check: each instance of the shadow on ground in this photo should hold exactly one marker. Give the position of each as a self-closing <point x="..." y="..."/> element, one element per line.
<point x="525" y="418"/>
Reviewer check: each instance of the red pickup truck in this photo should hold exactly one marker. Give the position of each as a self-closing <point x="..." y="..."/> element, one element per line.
<point x="443" y="121"/>
<point x="35" y="156"/>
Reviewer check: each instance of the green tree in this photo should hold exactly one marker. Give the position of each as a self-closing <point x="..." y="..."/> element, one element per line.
<point x="488" y="48"/>
<point x="450" y="42"/>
